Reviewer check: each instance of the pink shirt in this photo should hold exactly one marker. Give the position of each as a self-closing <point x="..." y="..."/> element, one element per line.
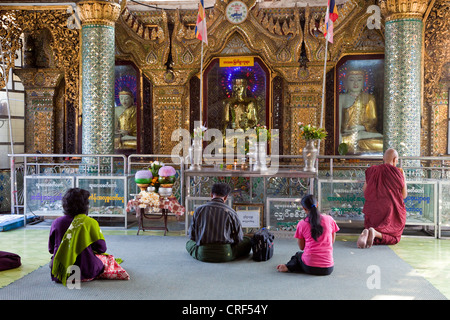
<point x="317" y="253"/>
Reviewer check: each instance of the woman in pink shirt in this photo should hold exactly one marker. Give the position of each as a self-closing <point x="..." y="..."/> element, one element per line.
<point x="315" y="235"/>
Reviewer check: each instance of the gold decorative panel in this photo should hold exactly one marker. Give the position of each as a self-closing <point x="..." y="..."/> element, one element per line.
<point x="440" y="123"/>
<point x="168" y="116"/>
<point x="305" y="106"/>
<point x="436" y="56"/>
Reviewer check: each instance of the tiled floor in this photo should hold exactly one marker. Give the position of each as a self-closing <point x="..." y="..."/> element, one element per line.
<point x="428" y="256"/>
<point x="30" y="245"/>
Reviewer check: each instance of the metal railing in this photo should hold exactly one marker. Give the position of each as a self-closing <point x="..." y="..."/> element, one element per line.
<point x="61" y="164"/>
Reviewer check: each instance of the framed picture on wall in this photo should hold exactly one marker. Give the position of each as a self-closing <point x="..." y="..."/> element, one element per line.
<point x="126" y="108"/>
<point x="359" y="105"/>
<point x="250" y="215"/>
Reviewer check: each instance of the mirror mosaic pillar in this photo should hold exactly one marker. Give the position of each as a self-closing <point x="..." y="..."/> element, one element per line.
<point x="403" y="75"/>
<point x="98" y="60"/>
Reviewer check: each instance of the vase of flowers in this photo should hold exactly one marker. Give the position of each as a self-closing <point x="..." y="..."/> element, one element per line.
<point x="154" y="169"/>
<point x="258" y="151"/>
<point x="253" y="156"/>
<point x="262" y="155"/>
<point x="196" y="149"/>
<point x="311" y="134"/>
<point x="155" y="166"/>
<point x="309" y="156"/>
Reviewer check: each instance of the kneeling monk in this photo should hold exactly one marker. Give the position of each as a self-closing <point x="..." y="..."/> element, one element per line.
<point x="384" y="209"/>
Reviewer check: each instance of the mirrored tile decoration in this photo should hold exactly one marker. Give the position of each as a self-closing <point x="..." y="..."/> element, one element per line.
<point x="98" y="89"/>
<point x="403" y="86"/>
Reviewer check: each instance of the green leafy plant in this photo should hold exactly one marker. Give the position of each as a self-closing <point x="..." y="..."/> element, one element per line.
<point x="262" y="133"/>
<point x="309" y="132"/>
<point x="343" y="149"/>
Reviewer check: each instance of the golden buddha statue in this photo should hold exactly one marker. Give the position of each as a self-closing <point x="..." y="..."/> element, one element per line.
<point x="126" y="121"/>
<point x="240" y="111"/>
<point x="358" y="116"/>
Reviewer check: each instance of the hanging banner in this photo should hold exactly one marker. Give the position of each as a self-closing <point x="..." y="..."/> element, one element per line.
<point x="236" y="62"/>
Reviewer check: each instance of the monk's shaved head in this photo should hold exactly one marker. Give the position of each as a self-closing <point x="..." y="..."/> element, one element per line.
<point x="389" y="155"/>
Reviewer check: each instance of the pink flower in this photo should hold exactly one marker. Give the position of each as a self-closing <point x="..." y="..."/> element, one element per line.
<point x="166" y="171"/>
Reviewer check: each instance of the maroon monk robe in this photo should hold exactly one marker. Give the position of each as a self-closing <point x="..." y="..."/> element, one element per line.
<point x="384" y="208"/>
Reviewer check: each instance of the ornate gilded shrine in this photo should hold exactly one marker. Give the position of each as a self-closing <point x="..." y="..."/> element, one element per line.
<point x="50" y="75"/>
<point x="158" y="58"/>
<point x="288" y="42"/>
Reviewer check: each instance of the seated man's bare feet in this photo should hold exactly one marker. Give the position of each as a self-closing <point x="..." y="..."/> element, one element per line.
<point x="362" y="240"/>
<point x="282" y="268"/>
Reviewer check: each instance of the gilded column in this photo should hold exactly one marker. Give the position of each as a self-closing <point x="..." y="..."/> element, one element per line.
<point x="98" y="59"/>
<point x="403" y="74"/>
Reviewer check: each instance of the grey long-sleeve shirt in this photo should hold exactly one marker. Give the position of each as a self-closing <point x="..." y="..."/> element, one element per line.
<point x="215" y="222"/>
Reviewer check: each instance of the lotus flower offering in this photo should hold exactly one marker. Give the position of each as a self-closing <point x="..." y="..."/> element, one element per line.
<point x="166" y="175"/>
<point x="143" y="178"/>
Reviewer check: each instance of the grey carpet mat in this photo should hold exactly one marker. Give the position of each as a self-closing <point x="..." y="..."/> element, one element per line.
<point x="160" y="268"/>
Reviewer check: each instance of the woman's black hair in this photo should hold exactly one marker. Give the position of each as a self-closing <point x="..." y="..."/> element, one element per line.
<point x="76" y="201"/>
<point x="310" y="203"/>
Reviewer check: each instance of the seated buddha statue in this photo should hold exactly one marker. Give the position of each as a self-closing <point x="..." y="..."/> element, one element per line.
<point x="126" y="121"/>
<point x="240" y="111"/>
<point x="358" y="116"/>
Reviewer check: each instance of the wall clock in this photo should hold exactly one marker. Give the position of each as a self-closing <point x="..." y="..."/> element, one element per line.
<point x="236" y="12"/>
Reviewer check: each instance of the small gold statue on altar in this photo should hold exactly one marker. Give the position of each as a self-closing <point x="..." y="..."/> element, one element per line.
<point x="240" y="111"/>
<point x="358" y="116"/>
<point x="126" y="121"/>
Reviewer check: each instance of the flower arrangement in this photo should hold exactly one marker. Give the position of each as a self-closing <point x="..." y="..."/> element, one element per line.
<point x="155" y="166"/>
<point x="148" y="200"/>
<point x="199" y="132"/>
<point x="159" y="174"/>
<point x="309" y="132"/>
<point x="262" y="133"/>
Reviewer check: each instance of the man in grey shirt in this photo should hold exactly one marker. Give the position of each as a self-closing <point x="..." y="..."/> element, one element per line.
<point x="216" y="233"/>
